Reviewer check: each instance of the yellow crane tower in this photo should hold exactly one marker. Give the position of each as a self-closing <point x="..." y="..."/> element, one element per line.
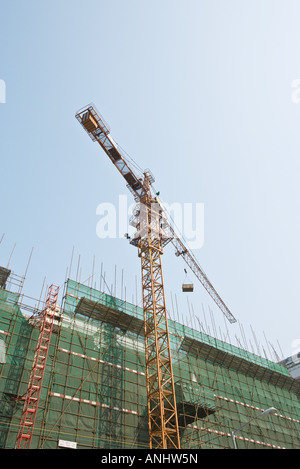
<point x="153" y="233"/>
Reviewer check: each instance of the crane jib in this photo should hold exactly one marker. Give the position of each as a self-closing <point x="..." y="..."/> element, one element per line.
<point x="99" y="131"/>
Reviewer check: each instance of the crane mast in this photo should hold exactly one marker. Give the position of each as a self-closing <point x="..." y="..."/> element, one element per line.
<point x="161" y="400"/>
<point x="153" y="233"/>
<point x="162" y="411"/>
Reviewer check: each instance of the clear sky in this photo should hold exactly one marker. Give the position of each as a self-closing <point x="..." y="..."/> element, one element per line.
<point x="202" y="92"/>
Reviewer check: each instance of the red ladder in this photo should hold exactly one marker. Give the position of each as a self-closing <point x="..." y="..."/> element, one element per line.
<point x="37" y="373"/>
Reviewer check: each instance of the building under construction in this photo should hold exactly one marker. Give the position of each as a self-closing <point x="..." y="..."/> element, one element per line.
<point x="98" y="372"/>
<point x="92" y="391"/>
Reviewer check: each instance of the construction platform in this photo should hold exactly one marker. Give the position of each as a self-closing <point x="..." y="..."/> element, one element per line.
<point x="94" y="387"/>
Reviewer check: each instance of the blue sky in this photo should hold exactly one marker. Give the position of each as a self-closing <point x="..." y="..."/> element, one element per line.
<point x="198" y="91"/>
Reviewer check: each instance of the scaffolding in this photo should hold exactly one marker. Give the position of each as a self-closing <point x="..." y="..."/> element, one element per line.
<point x="31" y="399"/>
<point x="94" y="393"/>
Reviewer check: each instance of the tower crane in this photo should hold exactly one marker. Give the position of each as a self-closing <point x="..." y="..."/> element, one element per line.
<point x="153" y="233"/>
